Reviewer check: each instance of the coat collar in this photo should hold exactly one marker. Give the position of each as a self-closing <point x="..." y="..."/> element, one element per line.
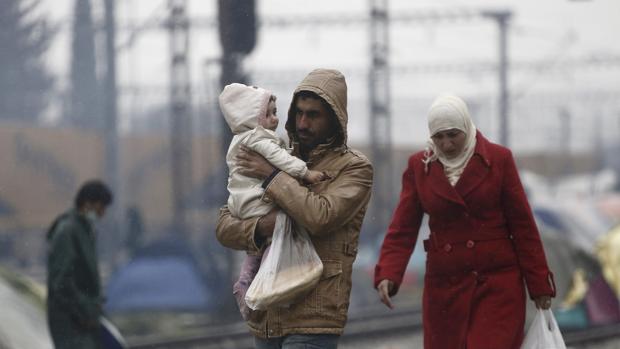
<point x="482" y="148"/>
<point x="475" y="172"/>
<point x="320" y="151"/>
<point x="77" y="217"/>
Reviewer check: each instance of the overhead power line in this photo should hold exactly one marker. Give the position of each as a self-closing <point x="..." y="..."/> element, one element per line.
<point x="158" y="19"/>
<point x="584" y="63"/>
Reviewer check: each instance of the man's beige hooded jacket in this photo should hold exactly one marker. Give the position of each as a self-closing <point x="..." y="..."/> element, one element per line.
<point x="332" y="211"/>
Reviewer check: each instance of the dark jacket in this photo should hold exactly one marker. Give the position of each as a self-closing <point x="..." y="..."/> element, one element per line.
<point x="483" y="245"/>
<point x="74" y="289"/>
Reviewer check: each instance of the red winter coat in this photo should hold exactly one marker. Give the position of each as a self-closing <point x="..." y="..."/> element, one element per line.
<point x="483" y="244"/>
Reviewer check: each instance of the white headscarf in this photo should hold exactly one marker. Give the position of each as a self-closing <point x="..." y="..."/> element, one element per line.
<point x="450" y="112"/>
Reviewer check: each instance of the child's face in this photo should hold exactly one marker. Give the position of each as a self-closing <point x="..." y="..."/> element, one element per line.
<point x="270" y="121"/>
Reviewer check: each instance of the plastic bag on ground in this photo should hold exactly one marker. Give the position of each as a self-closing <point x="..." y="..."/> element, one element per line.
<point x="543" y="333"/>
<point x="290" y="270"/>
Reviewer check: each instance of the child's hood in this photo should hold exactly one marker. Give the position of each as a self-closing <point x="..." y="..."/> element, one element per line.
<point x="242" y="105"/>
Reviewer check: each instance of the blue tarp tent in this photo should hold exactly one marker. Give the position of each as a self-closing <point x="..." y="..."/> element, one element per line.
<point x="163" y="276"/>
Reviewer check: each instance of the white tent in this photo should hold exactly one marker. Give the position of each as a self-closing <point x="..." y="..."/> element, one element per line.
<point x="23" y="323"/>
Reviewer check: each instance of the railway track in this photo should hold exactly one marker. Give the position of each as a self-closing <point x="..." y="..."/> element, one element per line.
<point x="371" y="323"/>
<point x="592" y="335"/>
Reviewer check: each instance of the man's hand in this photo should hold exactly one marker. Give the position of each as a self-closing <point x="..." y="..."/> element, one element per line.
<point x="266" y="224"/>
<point x="89" y="324"/>
<point x="252" y="164"/>
<point x="384" y="288"/>
<point x="543" y="302"/>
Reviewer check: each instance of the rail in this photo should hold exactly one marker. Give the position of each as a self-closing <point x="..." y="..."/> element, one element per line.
<point x="370" y="323"/>
<point x="363" y="324"/>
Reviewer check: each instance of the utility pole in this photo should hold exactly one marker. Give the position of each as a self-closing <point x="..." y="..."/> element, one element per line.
<point x="615" y="147"/>
<point x="237" y="29"/>
<point x="109" y="129"/>
<point x="599" y="147"/>
<point x="110" y="107"/>
<point x="180" y="108"/>
<point x="380" y="119"/>
<point x="502" y="18"/>
<point x="564" y="141"/>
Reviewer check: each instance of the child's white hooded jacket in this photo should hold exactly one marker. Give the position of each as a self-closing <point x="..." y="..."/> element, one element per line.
<point x="241" y="106"/>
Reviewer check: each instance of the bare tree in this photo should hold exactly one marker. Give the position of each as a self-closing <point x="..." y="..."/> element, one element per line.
<point x="25" y="83"/>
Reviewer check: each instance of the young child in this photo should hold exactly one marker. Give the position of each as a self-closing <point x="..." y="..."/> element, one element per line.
<point x="251" y="115"/>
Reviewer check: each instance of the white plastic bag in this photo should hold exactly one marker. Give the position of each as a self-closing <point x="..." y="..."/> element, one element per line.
<point x="291" y="268"/>
<point x="543" y="332"/>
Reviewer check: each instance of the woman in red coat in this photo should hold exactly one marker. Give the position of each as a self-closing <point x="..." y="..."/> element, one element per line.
<point x="483" y="243"/>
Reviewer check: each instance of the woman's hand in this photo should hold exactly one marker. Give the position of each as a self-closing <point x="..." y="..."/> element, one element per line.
<point x="253" y="164"/>
<point x="384" y="288"/>
<point x="543" y="302"/>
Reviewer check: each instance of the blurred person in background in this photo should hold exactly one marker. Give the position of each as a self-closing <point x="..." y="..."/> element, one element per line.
<point x="483" y="244"/>
<point x="134" y="230"/>
<point x="74" y="301"/>
<point x="331" y="210"/>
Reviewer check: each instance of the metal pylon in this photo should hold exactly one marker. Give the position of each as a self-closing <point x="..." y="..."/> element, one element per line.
<point x="380" y="118"/>
<point x="180" y="112"/>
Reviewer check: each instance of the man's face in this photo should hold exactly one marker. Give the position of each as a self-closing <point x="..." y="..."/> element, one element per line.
<point x="313" y="123"/>
<point x="100" y="209"/>
<point x="97" y="207"/>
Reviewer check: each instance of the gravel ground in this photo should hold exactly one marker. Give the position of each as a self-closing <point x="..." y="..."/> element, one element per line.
<point x="610" y="344"/>
<point x="414" y="341"/>
<point x="397" y="342"/>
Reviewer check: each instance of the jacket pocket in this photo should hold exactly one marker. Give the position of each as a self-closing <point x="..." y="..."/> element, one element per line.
<point x="326" y="299"/>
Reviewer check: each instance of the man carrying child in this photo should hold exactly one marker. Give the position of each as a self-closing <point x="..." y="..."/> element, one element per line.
<point x="331" y="210"/>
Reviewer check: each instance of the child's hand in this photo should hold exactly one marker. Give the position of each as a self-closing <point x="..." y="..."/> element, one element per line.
<point x="312" y="177"/>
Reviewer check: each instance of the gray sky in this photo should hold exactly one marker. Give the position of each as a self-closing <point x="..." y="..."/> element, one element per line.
<point x="539" y="30"/>
<point x="551" y="30"/>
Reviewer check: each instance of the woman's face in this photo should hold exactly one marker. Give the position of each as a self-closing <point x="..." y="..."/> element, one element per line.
<point x="450" y="142"/>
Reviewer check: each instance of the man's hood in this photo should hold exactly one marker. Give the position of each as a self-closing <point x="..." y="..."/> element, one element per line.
<point x="330" y="85"/>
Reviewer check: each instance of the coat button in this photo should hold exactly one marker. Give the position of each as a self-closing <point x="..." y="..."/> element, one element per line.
<point x="470" y="244"/>
<point x="447" y="247"/>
